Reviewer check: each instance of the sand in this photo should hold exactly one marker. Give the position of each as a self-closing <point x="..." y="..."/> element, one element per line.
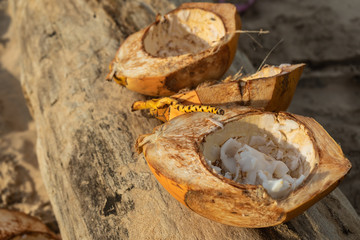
<point x="21" y="187"/>
<point x="323" y="34"/>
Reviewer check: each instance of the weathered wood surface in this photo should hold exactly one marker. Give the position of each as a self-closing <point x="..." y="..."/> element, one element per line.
<point x="98" y="186"/>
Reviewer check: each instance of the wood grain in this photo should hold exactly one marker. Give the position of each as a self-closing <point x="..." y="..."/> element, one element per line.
<point x="98" y="186"/>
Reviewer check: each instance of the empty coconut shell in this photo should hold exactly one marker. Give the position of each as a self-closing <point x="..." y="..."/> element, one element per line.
<point x="184" y="156"/>
<point x="179" y="50"/>
<point x="271" y="89"/>
<point x="17" y="225"/>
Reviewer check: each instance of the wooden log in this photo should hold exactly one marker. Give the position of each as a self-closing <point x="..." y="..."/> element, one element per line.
<point x="98" y="186"/>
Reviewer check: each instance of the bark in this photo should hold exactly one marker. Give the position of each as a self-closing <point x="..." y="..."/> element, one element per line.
<point x="98" y="186"/>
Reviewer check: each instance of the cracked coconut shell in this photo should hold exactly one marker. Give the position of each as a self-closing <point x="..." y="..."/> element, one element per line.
<point x="271" y="89"/>
<point x="178" y="153"/>
<point x="17" y="225"/>
<point x="179" y="50"/>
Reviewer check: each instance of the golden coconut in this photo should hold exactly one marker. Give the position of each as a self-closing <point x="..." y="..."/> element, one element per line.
<point x="271" y="89"/>
<point x="247" y="168"/>
<point x="179" y="50"/>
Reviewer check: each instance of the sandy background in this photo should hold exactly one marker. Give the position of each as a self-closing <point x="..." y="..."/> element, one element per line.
<point x="324" y="34"/>
<point x="21" y="187"/>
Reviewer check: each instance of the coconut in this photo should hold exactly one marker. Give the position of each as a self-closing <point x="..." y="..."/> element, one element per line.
<point x="271" y="89"/>
<point x="178" y="50"/>
<point x="17" y="225"/>
<point x="247" y="168"/>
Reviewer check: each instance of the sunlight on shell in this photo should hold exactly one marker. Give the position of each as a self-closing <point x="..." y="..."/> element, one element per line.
<point x="182" y="32"/>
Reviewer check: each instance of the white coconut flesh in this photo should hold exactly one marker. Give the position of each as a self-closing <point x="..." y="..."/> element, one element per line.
<point x="187" y="31"/>
<point x="279" y="155"/>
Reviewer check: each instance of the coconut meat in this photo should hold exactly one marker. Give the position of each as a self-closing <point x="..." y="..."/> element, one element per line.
<point x="278" y="155"/>
<point x="248" y="165"/>
<point x="187" y="31"/>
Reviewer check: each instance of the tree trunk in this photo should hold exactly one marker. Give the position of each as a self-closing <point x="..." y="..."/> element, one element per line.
<point x="98" y="186"/>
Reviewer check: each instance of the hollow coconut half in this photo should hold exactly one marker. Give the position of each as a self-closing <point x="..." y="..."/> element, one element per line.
<point x="179" y="50"/>
<point x="247" y="168"/>
<point x="271" y="89"/>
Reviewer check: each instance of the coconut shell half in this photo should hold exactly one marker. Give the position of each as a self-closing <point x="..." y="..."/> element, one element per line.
<point x="271" y="89"/>
<point x="179" y="50"/>
<point x="17" y="225"/>
<point x="178" y="153"/>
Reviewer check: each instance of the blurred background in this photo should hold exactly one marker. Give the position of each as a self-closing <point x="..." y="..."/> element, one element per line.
<point x="324" y="34"/>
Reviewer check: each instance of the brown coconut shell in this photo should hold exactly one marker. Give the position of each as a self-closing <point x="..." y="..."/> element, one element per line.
<point x="140" y="67"/>
<point x="18" y="225"/>
<point x="271" y="89"/>
<point x="174" y="154"/>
